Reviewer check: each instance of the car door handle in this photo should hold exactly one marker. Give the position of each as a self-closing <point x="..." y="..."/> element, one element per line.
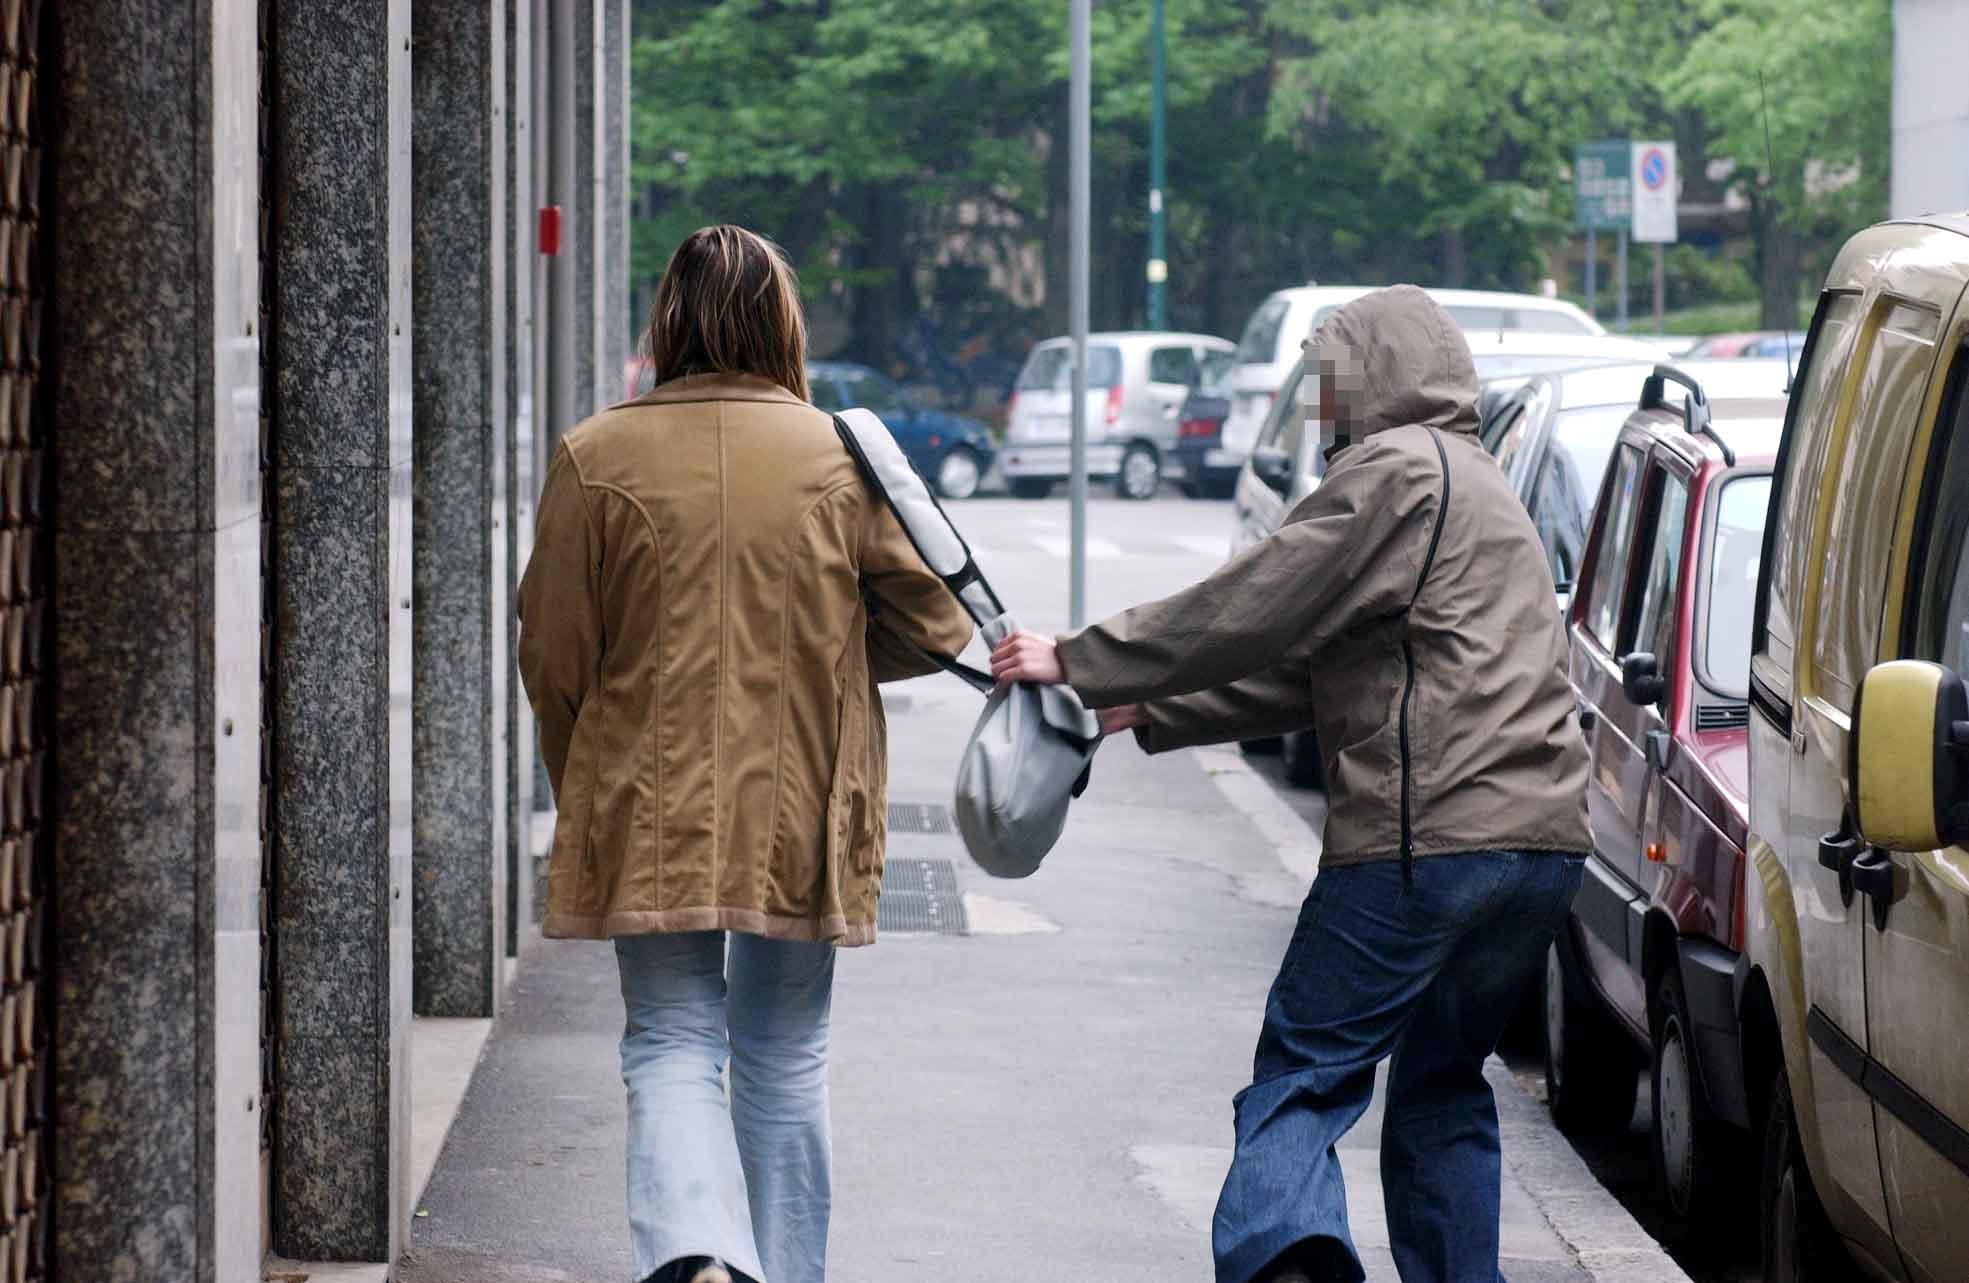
<point x="1837" y="852"/>
<point x="1657" y="750"/>
<point x="1873" y="875"/>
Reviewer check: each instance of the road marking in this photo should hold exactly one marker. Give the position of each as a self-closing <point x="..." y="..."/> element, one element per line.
<point x="989" y="916"/>
<point x="1293" y="841"/>
<point x="1097" y="549"/>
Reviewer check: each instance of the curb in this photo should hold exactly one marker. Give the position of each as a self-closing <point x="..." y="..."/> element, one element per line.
<point x="1610" y="1244"/>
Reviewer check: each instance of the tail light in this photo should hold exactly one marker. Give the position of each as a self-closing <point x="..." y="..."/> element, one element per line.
<point x="1196" y="429"/>
<point x="1736" y="911"/>
<point x="1114" y="405"/>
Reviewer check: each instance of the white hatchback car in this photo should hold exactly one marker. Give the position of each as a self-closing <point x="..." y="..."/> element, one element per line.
<point x="1268" y="351"/>
<point x="1136" y="383"/>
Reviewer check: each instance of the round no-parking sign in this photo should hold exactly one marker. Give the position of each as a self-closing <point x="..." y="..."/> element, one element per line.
<point x="1654" y="191"/>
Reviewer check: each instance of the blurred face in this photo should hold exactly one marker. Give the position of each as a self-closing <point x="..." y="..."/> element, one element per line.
<point x="1339" y="382"/>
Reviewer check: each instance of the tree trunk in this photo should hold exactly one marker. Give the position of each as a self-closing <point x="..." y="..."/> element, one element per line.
<point x="1456" y="259"/>
<point x="1778" y="265"/>
<point x="882" y="305"/>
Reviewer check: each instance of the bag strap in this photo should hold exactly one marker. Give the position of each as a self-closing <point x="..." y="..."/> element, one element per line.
<point x="1428" y="564"/>
<point x="967" y="575"/>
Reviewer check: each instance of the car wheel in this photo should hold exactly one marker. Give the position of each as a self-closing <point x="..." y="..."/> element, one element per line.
<point x="958" y="473"/>
<point x="1799" y="1245"/>
<point x="1589" y="1074"/>
<point x="1029" y="488"/>
<point x="1303" y="768"/>
<point x="1269" y="747"/>
<point x="1139" y="475"/>
<point x="1696" y="1156"/>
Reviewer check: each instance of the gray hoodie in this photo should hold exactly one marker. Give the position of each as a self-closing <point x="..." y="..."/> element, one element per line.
<point x="1404" y="611"/>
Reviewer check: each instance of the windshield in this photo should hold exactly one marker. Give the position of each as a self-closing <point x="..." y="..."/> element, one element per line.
<point x="1259" y="343"/>
<point x="1050" y="369"/>
<point x="1733" y="556"/>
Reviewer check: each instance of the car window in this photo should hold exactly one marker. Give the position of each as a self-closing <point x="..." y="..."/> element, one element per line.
<point x="1734" y="548"/>
<point x="1584" y="440"/>
<point x="1050" y="369"/>
<point x="825" y="393"/>
<point x="1259" y="343"/>
<point x="1511" y="436"/>
<point x="1214" y="374"/>
<point x="1286" y="429"/>
<point x="1801" y="462"/>
<point x="1603" y="604"/>
<point x="1893" y="382"/>
<point x="1559" y="513"/>
<point x="870" y="391"/>
<point x="1940" y="629"/>
<point x="1546" y="320"/>
<point x="1664" y="527"/>
<point x="1476" y="318"/>
<point x="1172" y="365"/>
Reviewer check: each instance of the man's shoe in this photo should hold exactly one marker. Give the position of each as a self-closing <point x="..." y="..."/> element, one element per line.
<point x="693" y="1269"/>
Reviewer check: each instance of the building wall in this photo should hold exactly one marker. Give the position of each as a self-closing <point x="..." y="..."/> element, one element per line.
<point x="1931" y="107"/>
<point x="283" y="477"/>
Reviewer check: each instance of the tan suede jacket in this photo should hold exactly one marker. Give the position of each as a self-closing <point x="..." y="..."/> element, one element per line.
<point x="1446" y="723"/>
<point x="694" y="641"/>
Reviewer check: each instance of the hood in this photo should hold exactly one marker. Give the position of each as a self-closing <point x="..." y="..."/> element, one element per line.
<point x="1393" y="358"/>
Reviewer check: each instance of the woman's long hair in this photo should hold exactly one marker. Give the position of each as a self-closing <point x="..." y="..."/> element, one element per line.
<point x="729" y="303"/>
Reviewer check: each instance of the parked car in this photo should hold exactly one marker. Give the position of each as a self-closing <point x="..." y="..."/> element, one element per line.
<point x="1555" y="432"/>
<point x="1659" y="639"/>
<point x="952" y="452"/>
<point x="1852" y="1001"/>
<point x="1209" y="471"/>
<point x="1751" y="343"/>
<point x="1136" y="384"/>
<point x="1269" y="347"/>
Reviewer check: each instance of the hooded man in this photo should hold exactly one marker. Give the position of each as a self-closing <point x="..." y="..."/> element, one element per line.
<point x="1404" y="611"/>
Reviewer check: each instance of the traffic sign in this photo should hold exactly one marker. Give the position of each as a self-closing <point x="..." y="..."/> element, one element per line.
<point x="1655" y="189"/>
<point x="1603" y="185"/>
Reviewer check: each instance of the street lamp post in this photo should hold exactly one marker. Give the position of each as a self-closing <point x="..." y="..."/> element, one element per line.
<point x="1158" y="268"/>
<point x="1080" y="130"/>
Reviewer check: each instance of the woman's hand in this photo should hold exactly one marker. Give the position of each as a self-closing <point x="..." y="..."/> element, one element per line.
<point x="1027" y="657"/>
<point x="1122" y="717"/>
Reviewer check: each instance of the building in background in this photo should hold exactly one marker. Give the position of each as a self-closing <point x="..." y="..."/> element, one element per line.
<point x="280" y="364"/>
<point x="1931" y="107"/>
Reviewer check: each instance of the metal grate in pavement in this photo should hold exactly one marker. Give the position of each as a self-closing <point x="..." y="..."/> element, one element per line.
<point x="919" y="817"/>
<point x="920" y="896"/>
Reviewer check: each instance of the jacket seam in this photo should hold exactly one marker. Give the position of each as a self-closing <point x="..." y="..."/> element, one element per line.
<point x="1408" y="657"/>
<point x="651" y="748"/>
<point x="785" y="633"/>
<point x="584" y="860"/>
<point x="724" y="629"/>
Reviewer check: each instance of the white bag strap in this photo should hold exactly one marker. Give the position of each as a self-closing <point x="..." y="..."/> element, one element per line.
<point x="922" y="518"/>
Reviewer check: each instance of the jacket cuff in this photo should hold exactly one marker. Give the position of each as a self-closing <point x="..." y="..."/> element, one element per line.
<point x="1080" y="666"/>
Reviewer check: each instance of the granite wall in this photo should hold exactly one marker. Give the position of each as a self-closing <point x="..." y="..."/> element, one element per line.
<point x="458" y="215"/>
<point x="523" y="274"/>
<point x="342" y="646"/>
<point x="147" y="118"/>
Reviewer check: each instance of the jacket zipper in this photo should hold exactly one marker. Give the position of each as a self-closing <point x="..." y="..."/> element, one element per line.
<point x="1408" y="661"/>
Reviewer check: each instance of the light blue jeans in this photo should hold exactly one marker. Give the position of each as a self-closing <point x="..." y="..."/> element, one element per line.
<point x="745" y="1181"/>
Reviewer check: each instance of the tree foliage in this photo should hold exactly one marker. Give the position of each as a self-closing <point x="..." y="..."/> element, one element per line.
<point x="912" y="158"/>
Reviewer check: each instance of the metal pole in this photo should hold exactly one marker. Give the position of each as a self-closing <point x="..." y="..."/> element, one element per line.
<point x="1080" y="129"/>
<point x="1592" y="270"/>
<point x="1158" y="270"/>
<point x="1661" y="287"/>
<point x="1620" y="274"/>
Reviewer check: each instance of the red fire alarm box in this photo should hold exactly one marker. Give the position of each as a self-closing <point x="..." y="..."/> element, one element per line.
<point x="549" y="237"/>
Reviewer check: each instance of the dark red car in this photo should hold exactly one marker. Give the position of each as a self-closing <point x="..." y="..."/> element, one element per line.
<point x="1659" y="630"/>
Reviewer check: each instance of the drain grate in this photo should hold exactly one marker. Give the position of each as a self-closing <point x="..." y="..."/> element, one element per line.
<point x="919" y="817"/>
<point x="920" y="896"/>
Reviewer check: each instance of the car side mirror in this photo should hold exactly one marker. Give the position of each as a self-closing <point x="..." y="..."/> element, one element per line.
<point x="1641" y="679"/>
<point x="1273" y="466"/>
<point x="1907" y="758"/>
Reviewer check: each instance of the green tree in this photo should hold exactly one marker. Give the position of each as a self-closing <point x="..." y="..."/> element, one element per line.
<point x="1825" y="100"/>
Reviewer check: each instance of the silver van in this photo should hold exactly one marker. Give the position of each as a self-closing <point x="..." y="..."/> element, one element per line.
<point x="1136" y="384"/>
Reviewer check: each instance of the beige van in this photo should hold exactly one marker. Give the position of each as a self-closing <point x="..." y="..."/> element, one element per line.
<point x="1853" y="989"/>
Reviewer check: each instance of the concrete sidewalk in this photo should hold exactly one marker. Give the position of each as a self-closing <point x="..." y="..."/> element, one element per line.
<point x="1048" y="1093"/>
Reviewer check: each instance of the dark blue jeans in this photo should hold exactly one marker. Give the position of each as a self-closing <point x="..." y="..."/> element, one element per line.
<point x="1428" y="974"/>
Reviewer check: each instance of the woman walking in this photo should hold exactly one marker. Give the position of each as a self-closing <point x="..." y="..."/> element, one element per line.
<point x="712" y="596"/>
